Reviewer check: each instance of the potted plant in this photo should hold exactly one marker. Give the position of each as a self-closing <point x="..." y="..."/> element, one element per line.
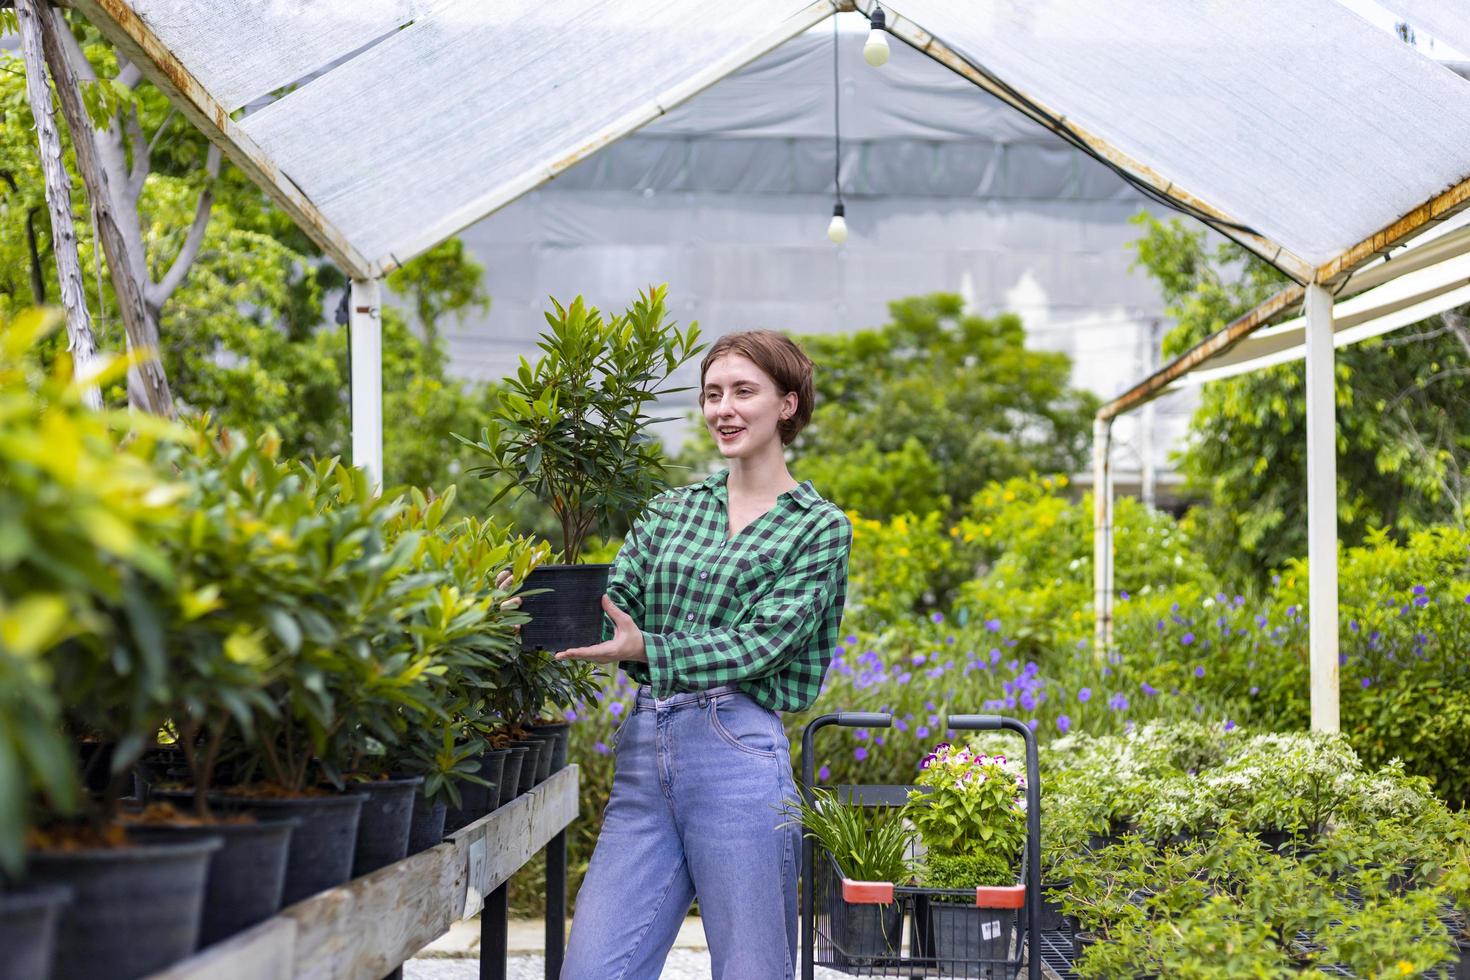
<point x="970" y="813"/>
<point x="864" y="852"/>
<point x="85" y="510"/>
<point x="571" y="429"/>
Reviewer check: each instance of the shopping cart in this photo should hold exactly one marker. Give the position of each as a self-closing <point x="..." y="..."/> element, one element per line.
<point x="879" y="929"/>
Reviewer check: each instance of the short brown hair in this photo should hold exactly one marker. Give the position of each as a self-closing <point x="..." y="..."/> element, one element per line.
<point x="781" y="358"/>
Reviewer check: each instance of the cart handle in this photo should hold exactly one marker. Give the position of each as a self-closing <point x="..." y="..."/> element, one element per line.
<point x="976" y="723"/>
<point x="864" y="719"/>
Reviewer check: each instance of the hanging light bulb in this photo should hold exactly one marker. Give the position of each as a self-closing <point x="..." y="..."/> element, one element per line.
<point x="837" y="227"/>
<point x="875" y="48"/>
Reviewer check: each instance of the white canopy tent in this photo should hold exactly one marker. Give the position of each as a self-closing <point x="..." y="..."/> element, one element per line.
<point x="1292" y="126"/>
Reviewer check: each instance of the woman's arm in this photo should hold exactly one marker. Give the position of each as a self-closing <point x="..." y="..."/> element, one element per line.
<point x="780" y="626"/>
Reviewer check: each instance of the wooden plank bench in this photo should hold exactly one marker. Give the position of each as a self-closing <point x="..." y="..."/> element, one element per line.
<point x="367" y="928"/>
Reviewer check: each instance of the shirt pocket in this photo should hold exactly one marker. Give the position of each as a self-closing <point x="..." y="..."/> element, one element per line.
<point x="754" y="575"/>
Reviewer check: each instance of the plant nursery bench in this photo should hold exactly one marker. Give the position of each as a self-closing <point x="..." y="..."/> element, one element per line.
<point x="367" y="928"/>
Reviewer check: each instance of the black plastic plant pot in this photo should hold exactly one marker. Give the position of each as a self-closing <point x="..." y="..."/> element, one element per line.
<point x="866" y="933"/>
<point x="964" y="940"/>
<point x="543" y="761"/>
<point x="28" y="920"/>
<point x="246" y="875"/>
<point x="427" y="828"/>
<point x="384" y="824"/>
<point x="321" y="851"/>
<point x="530" y="763"/>
<point x="1050" y="918"/>
<point x="1081" y="942"/>
<point x="476" y="800"/>
<point x="510" y="787"/>
<point x="561" y="731"/>
<point x="134" y="910"/>
<point x="570" y="615"/>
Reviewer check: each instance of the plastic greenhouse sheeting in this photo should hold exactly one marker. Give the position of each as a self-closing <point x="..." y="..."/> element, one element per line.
<point x="241" y="49"/>
<point x="1295" y="117"/>
<point x="1444" y="20"/>
<point x="475" y="101"/>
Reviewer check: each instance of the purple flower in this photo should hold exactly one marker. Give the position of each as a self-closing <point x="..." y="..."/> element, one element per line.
<point x="1033" y="723"/>
<point x="1255" y="690"/>
<point x="1187" y="639"/>
<point x="922" y="731"/>
<point x="937" y="617"/>
<point x="1084" y="695"/>
<point x="1420" y="590"/>
<point x="1467" y="599"/>
<point x="1028" y="701"/>
<point x="615" y="709"/>
<point x="1229" y="725"/>
<point x="1423" y="600"/>
<point x="1118" y="702"/>
<point x="1291" y="611"/>
<point x="841" y="651"/>
<point x="1124" y="595"/>
<point x="927" y="761"/>
<point x="1148" y="689"/>
<point x="600" y="747"/>
<point x="1064" y="723"/>
<point x="1261" y="621"/>
<point x="949" y="640"/>
<point x="995" y="656"/>
<point x="824" y="773"/>
<point x="1366" y="682"/>
<point x="993" y="625"/>
<point x="900" y="724"/>
<point x="1239" y="600"/>
<point x="905" y="677"/>
<point x="919" y="658"/>
<point x="1199" y="671"/>
<point x="851" y="639"/>
<point x="860" y="753"/>
<point x="571" y="714"/>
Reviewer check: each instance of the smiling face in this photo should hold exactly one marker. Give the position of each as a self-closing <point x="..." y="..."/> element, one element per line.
<point x="742" y="405"/>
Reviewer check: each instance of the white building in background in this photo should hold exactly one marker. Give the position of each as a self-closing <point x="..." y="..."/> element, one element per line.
<point x="727" y="199"/>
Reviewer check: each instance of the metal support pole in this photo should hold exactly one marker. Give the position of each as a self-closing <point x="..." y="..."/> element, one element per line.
<point x="1322" y="509"/>
<point x="556" y="903"/>
<point x="366" y="341"/>
<point x="495" y="933"/>
<point x="1102" y="538"/>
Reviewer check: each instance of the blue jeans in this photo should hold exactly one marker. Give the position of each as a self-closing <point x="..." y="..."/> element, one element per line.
<point x="694" y="810"/>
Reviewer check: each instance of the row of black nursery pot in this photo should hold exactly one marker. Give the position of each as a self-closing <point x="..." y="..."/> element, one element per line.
<point x="118" y="913"/>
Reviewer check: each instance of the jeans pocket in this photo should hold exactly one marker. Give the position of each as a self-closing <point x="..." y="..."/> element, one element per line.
<point x="745" y="725"/>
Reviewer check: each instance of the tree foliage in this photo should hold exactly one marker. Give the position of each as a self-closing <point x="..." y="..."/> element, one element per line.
<point x="921" y="413"/>
<point x="1403" y="402"/>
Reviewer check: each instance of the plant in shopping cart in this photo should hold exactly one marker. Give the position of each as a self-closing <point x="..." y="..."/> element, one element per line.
<point x="970" y="812"/>
<point x="868" y="843"/>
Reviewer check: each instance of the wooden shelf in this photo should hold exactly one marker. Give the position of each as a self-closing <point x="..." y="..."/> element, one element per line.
<point x="366" y="928"/>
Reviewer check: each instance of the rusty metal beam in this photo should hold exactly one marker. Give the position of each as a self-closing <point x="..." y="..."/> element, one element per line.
<point x="1273" y="252"/>
<point x="125" y="29"/>
<point x="1443" y="205"/>
<point x="1217" y="343"/>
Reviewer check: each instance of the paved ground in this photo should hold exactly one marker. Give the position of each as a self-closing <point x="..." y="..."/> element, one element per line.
<point x="456" y="956"/>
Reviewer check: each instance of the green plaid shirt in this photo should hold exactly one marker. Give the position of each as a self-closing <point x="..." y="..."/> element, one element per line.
<point x="761" y="610"/>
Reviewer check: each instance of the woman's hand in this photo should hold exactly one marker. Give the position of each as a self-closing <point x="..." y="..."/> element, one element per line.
<point x="626" y="644"/>
<point x="502" y="582"/>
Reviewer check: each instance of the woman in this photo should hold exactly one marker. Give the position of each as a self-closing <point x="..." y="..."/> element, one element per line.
<point x="724" y="605"/>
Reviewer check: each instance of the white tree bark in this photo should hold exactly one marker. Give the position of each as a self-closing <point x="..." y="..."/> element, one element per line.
<point x="80" y="341"/>
<point x="106" y="181"/>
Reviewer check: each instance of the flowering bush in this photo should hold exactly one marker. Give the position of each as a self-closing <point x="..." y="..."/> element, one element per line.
<point x="970" y="812"/>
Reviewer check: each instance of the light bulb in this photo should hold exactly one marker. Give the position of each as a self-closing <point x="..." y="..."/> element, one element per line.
<point x="837" y="227"/>
<point x="875" y="49"/>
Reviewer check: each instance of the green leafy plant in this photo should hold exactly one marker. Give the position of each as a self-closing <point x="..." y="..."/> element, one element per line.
<point x="868" y="843"/>
<point x="972" y="817"/>
<point x="571" y="428"/>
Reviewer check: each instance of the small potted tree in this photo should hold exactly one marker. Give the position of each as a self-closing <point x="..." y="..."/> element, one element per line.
<point x="572" y="430"/>
<point x="82" y="654"/>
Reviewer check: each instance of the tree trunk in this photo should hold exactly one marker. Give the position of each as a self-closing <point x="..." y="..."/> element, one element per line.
<point x="147" y="384"/>
<point x="83" y="347"/>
